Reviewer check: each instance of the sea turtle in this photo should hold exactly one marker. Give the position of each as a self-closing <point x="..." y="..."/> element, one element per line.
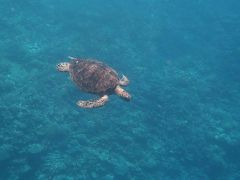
<point x="95" y="77"/>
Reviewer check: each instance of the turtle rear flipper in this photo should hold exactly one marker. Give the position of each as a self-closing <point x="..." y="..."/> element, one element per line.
<point x="122" y="93"/>
<point x="93" y="103"/>
<point x="124" y="81"/>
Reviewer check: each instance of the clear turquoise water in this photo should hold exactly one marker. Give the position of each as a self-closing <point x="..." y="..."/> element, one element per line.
<point x="182" y="58"/>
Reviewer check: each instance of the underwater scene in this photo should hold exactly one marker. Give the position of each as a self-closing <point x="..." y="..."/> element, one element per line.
<point x="182" y="62"/>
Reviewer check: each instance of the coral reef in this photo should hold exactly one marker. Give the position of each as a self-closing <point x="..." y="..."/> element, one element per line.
<point x="182" y="60"/>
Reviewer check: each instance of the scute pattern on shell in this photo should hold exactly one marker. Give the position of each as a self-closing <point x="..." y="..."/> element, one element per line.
<point x="93" y="76"/>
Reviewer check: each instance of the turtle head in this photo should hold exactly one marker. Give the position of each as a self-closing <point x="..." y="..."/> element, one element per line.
<point x="64" y="66"/>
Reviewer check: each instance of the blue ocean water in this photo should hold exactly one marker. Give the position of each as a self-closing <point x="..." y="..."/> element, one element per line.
<point x="182" y="59"/>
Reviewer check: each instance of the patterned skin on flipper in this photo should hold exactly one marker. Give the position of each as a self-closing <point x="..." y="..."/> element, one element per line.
<point x="123" y="81"/>
<point x="93" y="76"/>
<point x="93" y="103"/>
<point x="122" y="93"/>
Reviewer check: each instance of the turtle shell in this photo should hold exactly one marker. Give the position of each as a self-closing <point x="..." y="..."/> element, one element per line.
<point x="93" y="76"/>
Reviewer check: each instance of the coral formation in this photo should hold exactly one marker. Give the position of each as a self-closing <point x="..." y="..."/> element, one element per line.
<point x="182" y="60"/>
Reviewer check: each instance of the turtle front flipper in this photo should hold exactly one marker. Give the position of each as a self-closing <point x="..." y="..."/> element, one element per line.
<point x="122" y="93"/>
<point x="71" y="58"/>
<point x="124" y="81"/>
<point x="93" y="103"/>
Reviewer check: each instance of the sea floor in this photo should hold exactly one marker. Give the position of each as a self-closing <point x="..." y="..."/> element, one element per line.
<point x="182" y="62"/>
